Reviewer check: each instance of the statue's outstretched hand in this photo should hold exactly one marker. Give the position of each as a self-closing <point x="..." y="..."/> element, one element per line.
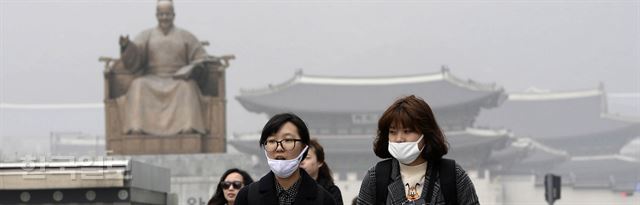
<point x="124" y="41"/>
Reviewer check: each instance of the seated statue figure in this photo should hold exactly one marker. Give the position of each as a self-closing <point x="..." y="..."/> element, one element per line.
<point x="163" y="100"/>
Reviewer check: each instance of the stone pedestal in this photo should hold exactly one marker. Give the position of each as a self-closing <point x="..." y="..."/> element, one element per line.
<point x="144" y="144"/>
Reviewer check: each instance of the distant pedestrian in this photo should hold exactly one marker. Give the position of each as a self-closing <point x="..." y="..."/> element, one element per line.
<point x="230" y="183"/>
<point x="318" y="169"/>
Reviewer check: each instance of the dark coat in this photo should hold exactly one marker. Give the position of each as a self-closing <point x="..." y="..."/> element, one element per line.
<point x="466" y="193"/>
<point x="309" y="191"/>
<point x="332" y="189"/>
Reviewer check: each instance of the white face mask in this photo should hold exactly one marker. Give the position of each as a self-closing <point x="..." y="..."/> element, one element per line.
<point x="405" y="152"/>
<point x="285" y="168"/>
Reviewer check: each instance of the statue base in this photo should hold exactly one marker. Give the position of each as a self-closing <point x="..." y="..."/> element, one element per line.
<point x="144" y="144"/>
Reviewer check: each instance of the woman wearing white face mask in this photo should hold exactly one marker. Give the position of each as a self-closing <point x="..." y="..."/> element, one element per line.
<point x="416" y="173"/>
<point x="285" y="140"/>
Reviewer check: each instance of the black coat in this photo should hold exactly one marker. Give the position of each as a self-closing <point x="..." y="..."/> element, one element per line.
<point x="309" y="192"/>
<point x="332" y="189"/>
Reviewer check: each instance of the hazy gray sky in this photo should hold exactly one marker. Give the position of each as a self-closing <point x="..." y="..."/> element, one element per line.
<point x="49" y="49"/>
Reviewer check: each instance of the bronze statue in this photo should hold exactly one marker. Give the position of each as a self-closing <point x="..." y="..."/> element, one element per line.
<point x="163" y="100"/>
<point x="165" y="95"/>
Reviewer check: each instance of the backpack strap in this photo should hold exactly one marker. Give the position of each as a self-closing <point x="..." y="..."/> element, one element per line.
<point x="448" y="181"/>
<point x="383" y="177"/>
<point x="432" y="181"/>
<point x="446" y="170"/>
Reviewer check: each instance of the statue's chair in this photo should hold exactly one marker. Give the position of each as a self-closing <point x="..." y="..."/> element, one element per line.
<point x="210" y="77"/>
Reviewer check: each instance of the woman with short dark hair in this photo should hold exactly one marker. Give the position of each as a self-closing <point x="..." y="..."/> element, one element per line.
<point x="416" y="173"/>
<point x="285" y="141"/>
<point x="230" y="183"/>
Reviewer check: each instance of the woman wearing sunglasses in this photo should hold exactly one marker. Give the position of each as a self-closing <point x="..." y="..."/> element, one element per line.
<point x="230" y="183"/>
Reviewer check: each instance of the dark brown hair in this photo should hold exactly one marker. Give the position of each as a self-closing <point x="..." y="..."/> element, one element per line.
<point x="218" y="196"/>
<point x="413" y="113"/>
<point x="324" y="173"/>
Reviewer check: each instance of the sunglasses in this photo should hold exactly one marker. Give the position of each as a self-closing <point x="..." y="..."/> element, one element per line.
<point x="227" y="185"/>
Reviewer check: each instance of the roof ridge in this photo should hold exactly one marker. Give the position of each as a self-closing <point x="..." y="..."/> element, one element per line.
<point x="555" y="95"/>
<point x="529" y="142"/>
<point x="602" y="157"/>
<point x="370" y="80"/>
<point x="469" y="84"/>
<point x="444" y="74"/>
<point x="272" y="88"/>
<point x="482" y="132"/>
<point x="372" y="77"/>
